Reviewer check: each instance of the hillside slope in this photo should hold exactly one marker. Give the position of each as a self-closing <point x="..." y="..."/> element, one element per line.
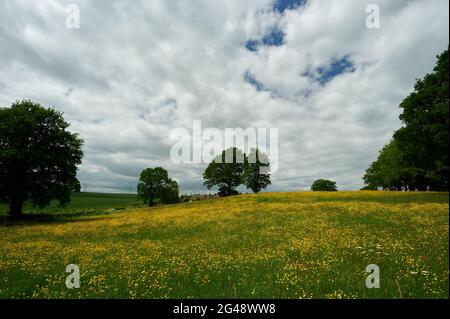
<point x="271" y="245"/>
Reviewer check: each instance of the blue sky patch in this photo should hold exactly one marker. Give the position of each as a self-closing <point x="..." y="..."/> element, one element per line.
<point x="252" y="45"/>
<point x="259" y="86"/>
<point x="274" y="38"/>
<point x="250" y="78"/>
<point x="325" y="74"/>
<point x="283" y="5"/>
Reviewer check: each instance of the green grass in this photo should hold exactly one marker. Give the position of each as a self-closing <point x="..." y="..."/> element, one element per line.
<point x="270" y="245"/>
<point x="82" y="202"/>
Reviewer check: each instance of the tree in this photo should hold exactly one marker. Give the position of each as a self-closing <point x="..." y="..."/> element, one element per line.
<point x="324" y="185"/>
<point x="256" y="174"/>
<point x="424" y="139"/>
<point x="154" y="183"/>
<point x="417" y="157"/>
<point x="76" y="186"/>
<point x="386" y="171"/>
<point x="38" y="156"/>
<point x="225" y="171"/>
<point x="170" y="194"/>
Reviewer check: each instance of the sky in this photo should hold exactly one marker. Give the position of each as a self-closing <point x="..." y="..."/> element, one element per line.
<point x="135" y="70"/>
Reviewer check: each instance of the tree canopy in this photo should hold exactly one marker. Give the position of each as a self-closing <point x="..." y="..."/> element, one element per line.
<point x="323" y="185"/>
<point x="38" y="156"/>
<point x="154" y="183"/>
<point x="256" y="175"/>
<point x="225" y="171"/>
<point x="417" y="157"/>
<point x="233" y="168"/>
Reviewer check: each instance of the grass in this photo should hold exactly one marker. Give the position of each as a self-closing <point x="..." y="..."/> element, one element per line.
<point x="81" y="202"/>
<point x="271" y="245"/>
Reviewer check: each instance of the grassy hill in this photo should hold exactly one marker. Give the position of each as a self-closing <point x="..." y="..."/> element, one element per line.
<point x="271" y="245"/>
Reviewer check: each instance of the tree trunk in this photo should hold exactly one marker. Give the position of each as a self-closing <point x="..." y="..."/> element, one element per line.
<point x="229" y="190"/>
<point x="15" y="208"/>
<point x="150" y="202"/>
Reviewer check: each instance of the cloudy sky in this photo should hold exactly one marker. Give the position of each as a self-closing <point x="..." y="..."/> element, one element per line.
<point x="135" y="70"/>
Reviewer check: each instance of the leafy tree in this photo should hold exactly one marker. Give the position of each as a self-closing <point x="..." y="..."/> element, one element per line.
<point x="256" y="171"/>
<point x="76" y="186"/>
<point x="38" y="156"/>
<point x="417" y="157"/>
<point x="154" y="183"/>
<point x="170" y="194"/>
<point x="225" y="171"/>
<point x="324" y="185"/>
<point x="385" y="172"/>
<point x="424" y="140"/>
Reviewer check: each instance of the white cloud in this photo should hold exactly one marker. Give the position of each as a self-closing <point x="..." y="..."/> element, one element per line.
<point x="137" y="69"/>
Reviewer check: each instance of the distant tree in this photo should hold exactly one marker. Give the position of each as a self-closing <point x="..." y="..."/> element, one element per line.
<point x="154" y="183"/>
<point x="170" y="193"/>
<point x="424" y="139"/>
<point x="324" y="185"/>
<point x="225" y="172"/>
<point x="38" y="156"/>
<point x="76" y="187"/>
<point x="256" y="174"/>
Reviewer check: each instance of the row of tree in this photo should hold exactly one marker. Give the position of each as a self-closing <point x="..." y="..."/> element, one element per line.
<point x="227" y="171"/>
<point x="417" y="156"/>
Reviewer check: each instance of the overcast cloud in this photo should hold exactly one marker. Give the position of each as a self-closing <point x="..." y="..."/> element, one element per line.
<point x="135" y="70"/>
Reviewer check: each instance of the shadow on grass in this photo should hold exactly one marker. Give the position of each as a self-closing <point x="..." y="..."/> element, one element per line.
<point x="48" y="218"/>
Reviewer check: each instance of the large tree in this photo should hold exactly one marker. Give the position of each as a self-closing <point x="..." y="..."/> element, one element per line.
<point x="417" y="157"/>
<point x="424" y="140"/>
<point x="38" y="156"/>
<point x="225" y="171"/>
<point x="256" y="171"/>
<point x="154" y="183"/>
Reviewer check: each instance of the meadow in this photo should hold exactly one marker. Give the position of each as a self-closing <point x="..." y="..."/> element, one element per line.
<point x="269" y="245"/>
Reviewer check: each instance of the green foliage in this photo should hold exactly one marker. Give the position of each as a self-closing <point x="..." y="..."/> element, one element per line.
<point x="170" y="194"/>
<point x="324" y="185"/>
<point x="225" y="171"/>
<point x="256" y="174"/>
<point x="233" y="168"/>
<point x="154" y="183"/>
<point x="38" y="156"/>
<point x="417" y="158"/>
<point x="385" y="172"/>
<point x="76" y="186"/>
<point x="424" y="139"/>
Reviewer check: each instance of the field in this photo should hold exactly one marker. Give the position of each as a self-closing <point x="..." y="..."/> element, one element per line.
<point x="270" y="245"/>
<point x="83" y="203"/>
